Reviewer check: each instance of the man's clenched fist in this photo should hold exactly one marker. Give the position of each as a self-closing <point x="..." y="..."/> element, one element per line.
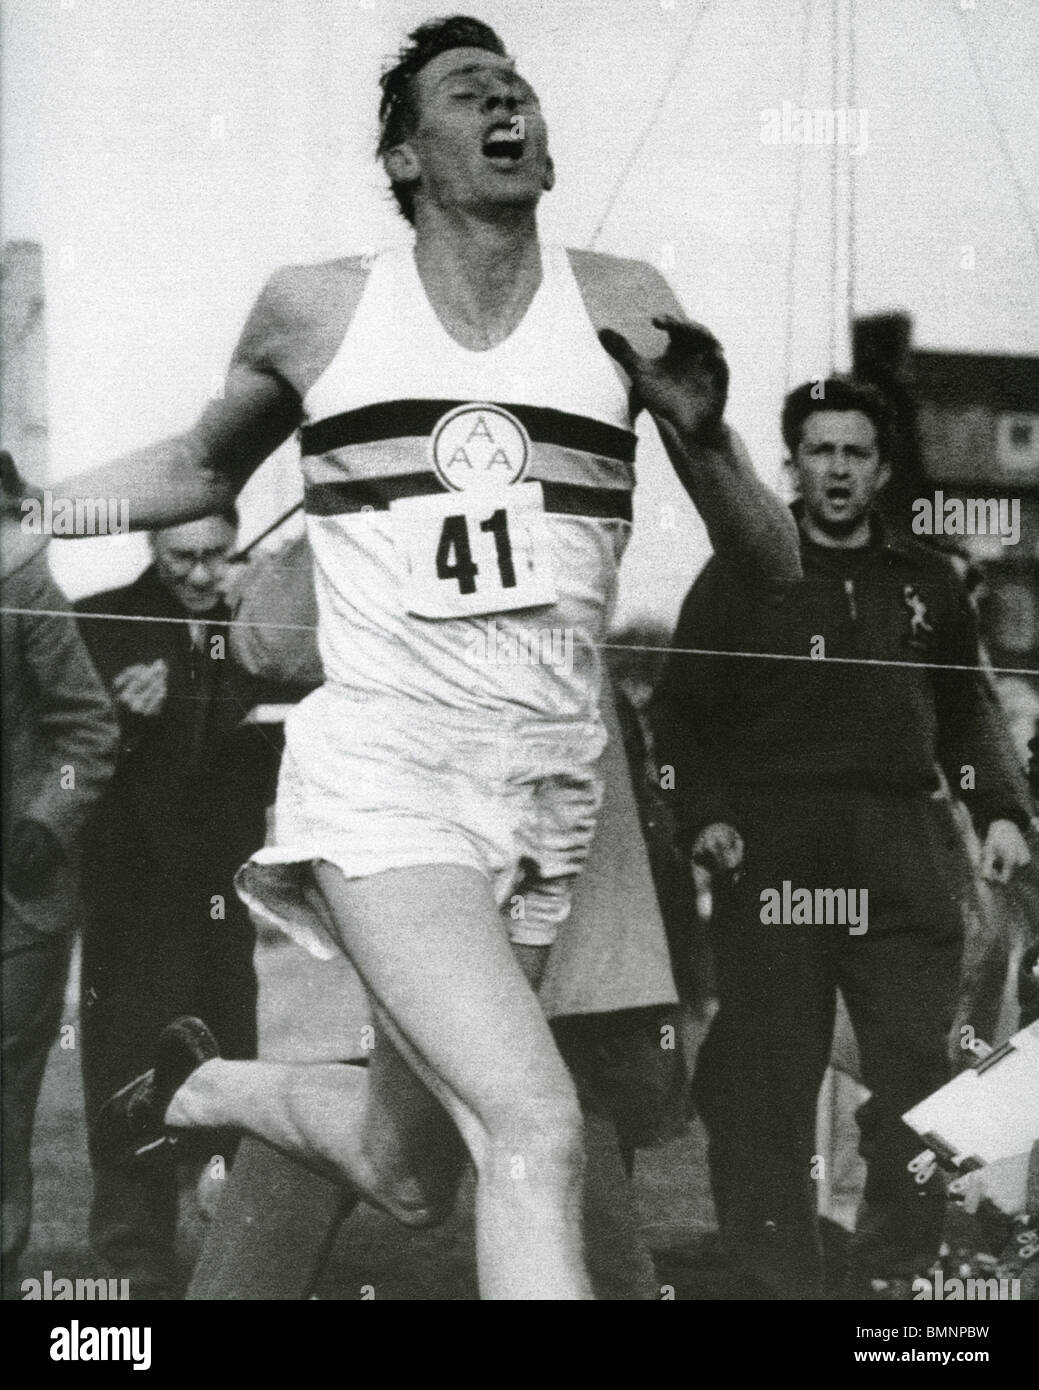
<point x="141" y="688"/>
<point x="717" y="850"/>
<point x="1004" y="852"/>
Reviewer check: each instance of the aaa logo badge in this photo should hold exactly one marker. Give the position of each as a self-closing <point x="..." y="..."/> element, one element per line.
<point x="478" y="446"/>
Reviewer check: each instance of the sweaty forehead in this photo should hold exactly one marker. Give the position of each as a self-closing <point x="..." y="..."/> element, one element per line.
<point x="461" y="62"/>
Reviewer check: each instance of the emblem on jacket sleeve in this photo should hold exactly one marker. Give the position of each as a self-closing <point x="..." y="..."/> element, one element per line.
<point x="919" y="624"/>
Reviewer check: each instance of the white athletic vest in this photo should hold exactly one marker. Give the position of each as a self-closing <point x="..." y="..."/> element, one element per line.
<point x="468" y="510"/>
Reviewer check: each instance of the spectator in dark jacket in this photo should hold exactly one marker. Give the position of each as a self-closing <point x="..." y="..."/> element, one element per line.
<point x="59" y="748"/>
<point x="817" y="773"/>
<point x="165" y="934"/>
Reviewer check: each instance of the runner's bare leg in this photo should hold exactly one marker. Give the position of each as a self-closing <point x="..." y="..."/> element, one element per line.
<point x="429" y="945"/>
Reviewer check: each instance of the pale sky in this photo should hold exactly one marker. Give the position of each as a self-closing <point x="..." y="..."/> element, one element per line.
<point x="169" y="156"/>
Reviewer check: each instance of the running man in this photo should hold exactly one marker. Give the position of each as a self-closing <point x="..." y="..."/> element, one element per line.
<point x="467" y="449"/>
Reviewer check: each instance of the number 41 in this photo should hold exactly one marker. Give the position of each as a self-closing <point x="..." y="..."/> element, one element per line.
<point x="454" y="541"/>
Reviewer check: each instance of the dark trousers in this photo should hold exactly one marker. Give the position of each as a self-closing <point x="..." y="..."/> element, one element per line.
<point x="153" y="950"/>
<point x="34" y="971"/>
<point x="760" y="1069"/>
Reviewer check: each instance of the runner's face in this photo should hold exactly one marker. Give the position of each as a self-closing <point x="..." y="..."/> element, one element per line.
<point x="839" y="469"/>
<point x="191" y="561"/>
<point x="481" y="140"/>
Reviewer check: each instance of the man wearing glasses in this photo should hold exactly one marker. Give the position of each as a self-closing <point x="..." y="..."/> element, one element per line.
<point x="164" y="933"/>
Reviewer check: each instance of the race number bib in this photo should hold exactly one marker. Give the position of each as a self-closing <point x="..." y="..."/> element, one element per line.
<point x="465" y="554"/>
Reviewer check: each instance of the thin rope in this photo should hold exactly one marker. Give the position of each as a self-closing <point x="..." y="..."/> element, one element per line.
<point x="795" y="218"/>
<point x="599" y="646"/>
<point x="835" y="177"/>
<point x="825" y="660"/>
<point x="1004" y="144"/>
<point x="655" y="114"/>
<point x="853" y="83"/>
<point x="139" y="618"/>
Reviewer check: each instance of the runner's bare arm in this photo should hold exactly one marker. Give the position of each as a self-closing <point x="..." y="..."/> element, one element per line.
<point x="684" y="391"/>
<point x="201" y="471"/>
<point x="747" y="524"/>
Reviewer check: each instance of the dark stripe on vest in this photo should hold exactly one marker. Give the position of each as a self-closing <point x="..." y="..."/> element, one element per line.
<point x="340" y="499"/>
<point x="396" y="419"/>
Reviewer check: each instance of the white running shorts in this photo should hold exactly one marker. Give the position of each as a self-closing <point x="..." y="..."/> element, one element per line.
<point x="391" y="784"/>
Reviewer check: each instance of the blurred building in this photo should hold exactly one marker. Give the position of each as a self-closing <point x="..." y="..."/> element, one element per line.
<point x="968" y="430"/>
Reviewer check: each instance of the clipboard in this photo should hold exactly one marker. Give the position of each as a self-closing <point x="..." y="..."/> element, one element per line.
<point x="988" y="1112"/>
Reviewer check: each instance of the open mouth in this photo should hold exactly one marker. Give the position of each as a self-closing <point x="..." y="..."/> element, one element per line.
<point x="504" y="142"/>
<point x="838" y="495"/>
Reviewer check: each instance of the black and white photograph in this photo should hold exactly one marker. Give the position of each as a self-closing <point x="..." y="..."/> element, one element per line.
<point x="520" y="632"/>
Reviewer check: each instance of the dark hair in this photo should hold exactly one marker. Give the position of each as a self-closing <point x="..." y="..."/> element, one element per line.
<point x="837" y="393"/>
<point x="397" y="112"/>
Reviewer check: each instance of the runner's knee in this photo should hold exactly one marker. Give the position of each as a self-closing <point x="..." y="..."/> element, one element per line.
<point x="535" y="1136"/>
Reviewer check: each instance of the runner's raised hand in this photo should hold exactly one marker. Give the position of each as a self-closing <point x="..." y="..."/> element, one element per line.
<point x="687" y="385"/>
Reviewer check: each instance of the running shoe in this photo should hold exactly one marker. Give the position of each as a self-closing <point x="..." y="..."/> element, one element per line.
<point x="131" y="1122"/>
